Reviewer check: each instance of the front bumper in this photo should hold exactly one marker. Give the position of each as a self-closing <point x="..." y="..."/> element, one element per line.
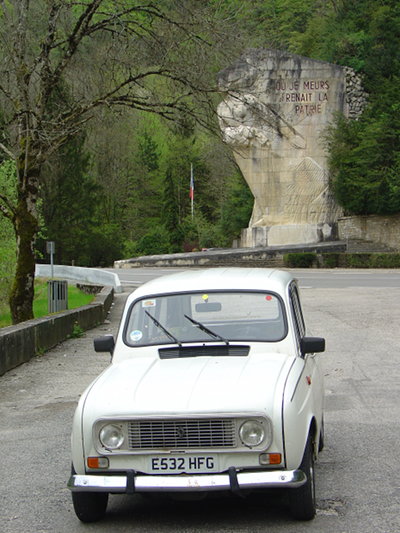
<point x="232" y="480"/>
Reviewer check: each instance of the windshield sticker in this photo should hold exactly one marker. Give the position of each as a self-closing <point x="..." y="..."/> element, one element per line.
<point x="148" y="303"/>
<point x="268" y="297"/>
<point x="205" y="297"/>
<point x="136" y="335"/>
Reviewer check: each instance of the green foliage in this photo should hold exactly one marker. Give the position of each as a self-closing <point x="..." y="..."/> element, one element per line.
<point x="105" y="244"/>
<point x="147" y="152"/>
<point x="300" y="260"/>
<point x="365" y="162"/>
<point x="200" y="233"/>
<point x="209" y="234"/>
<point x="342" y="260"/>
<point x="365" y="154"/>
<point x="236" y="210"/>
<point x="170" y="216"/>
<point x="385" y="260"/>
<point x="329" y="260"/>
<point x="122" y="189"/>
<point x="145" y="184"/>
<point x="7" y="235"/>
<point x="72" y="212"/>
<point x="156" y="241"/>
<point x="77" y="331"/>
<point x="68" y="202"/>
<point x="372" y="260"/>
<point x="133" y="199"/>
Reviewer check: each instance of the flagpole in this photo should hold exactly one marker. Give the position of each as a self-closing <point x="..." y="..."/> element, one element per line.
<point x="192" y="189"/>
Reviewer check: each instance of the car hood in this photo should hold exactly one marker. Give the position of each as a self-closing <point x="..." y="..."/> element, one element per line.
<point x="149" y="385"/>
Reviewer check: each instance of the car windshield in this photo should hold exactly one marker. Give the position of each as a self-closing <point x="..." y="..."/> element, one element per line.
<point x="206" y="317"/>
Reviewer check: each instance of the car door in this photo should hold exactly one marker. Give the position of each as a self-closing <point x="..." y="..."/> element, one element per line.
<point x="311" y="376"/>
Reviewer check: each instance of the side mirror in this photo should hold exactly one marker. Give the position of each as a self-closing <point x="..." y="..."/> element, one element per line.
<point x="105" y="343"/>
<point x="312" y="345"/>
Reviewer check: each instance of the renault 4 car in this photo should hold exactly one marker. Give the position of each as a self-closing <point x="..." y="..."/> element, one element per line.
<point x="214" y="385"/>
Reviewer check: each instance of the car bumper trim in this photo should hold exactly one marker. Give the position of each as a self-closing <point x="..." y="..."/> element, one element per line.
<point x="184" y="483"/>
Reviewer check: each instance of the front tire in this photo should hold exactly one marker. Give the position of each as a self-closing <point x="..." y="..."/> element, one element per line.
<point x="322" y="437"/>
<point x="302" y="500"/>
<point x="89" y="506"/>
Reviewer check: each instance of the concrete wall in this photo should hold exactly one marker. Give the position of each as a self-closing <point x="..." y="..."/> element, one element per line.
<point x="261" y="257"/>
<point x="291" y="233"/>
<point x="379" y="229"/>
<point x="18" y="344"/>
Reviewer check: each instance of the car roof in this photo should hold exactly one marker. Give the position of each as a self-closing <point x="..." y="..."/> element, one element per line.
<point x="224" y="278"/>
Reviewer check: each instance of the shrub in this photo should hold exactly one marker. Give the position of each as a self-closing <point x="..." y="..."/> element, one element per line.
<point x="300" y="260"/>
<point x="373" y="260"/>
<point x="385" y="260"/>
<point x="330" y="260"/>
<point x="154" y="242"/>
<point x="358" y="260"/>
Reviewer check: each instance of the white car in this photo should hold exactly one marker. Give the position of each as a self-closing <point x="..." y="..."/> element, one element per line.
<point x="213" y="386"/>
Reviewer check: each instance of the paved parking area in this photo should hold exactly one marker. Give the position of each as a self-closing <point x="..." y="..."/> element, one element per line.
<point x="358" y="487"/>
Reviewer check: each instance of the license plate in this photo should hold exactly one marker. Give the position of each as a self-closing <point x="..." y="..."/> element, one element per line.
<point x="182" y="464"/>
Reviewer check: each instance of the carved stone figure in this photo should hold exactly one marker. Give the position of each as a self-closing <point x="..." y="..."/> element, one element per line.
<point x="275" y="111"/>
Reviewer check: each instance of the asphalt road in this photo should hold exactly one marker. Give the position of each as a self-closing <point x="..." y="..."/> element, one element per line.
<point x="358" y="478"/>
<point x="321" y="278"/>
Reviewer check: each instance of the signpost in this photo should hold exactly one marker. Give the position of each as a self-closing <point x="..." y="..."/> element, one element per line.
<point x="51" y="249"/>
<point x="57" y="292"/>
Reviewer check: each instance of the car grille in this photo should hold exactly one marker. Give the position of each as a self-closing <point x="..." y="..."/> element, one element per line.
<point x="181" y="434"/>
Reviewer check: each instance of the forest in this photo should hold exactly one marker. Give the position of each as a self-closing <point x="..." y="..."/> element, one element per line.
<point x="111" y="168"/>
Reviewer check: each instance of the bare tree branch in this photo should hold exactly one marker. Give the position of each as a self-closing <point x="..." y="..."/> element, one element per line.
<point x="46" y="77"/>
<point x="6" y="208"/>
<point x="75" y="37"/>
<point x="7" y="151"/>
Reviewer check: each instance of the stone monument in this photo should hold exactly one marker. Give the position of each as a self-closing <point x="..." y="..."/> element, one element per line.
<point x="274" y="114"/>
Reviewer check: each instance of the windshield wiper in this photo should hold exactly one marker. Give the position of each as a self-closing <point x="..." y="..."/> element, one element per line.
<point x="207" y="330"/>
<point x="157" y="323"/>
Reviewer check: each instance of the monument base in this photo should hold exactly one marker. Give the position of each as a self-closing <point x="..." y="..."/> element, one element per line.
<point x="281" y="235"/>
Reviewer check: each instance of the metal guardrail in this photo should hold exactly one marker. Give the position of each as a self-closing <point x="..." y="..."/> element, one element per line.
<point x="95" y="276"/>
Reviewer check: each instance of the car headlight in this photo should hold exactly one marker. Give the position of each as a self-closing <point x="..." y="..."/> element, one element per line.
<point x="111" y="436"/>
<point x="251" y="433"/>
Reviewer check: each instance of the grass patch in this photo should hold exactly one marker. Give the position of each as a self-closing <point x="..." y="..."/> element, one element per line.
<point x="76" y="298"/>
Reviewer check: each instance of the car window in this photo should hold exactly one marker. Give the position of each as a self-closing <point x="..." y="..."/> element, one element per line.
<point x="186" y="317"/>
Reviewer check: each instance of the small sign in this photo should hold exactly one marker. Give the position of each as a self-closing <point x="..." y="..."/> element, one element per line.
<point x="50" y="247"/>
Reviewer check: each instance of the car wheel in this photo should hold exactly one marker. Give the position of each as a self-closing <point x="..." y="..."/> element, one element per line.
<point x="321" y="437"/>
<point x="302" y="500"/>
<point x="89" y="506"/>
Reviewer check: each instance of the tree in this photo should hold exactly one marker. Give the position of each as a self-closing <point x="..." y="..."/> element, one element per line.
<point x="170" y="214"/>
<point x="365" y="154"/>
<point x="68" y="202"/>
<point x="151" y="56"/>
<point x="237" y="209"/>
<point x="365" y="162"/>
